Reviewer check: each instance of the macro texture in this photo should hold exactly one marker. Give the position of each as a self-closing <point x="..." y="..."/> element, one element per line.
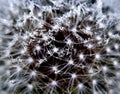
<point x="59" y="47"/>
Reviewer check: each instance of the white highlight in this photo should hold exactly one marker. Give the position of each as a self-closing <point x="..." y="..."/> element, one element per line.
<point x="25" y="37"/>
<point x="11" y="83"/>
<point x="91" y="71"/>
<point x="41" y="61"/>
<point x="69" y="42"/>
<point x="110" y="34"/>
<point x="54" y="68"/>
<point x="98" y="38"/>
<point x="71" y="62"/>
<point x="29" y="60"/>
<point x="38" y="48"/>
<point x="18" y="69"/>
<point x="108" y="49"/>
<point x="88" y="28"/>
<point x="116" y="46"/>
<point x="80" y="86"/>
<point x="23" y="51"/>
<point x="97" y="56"/>
<point x="94" y="82"/>
<point x="90" y="46"/>
<point x="73" y="76"/>
<point x="30" y="87"/>
<point x="101" y="25"/>
<point x="74" y="30"/>
<point x="55" y="50"/>
<point x="81" y="56"/>
<point x="33" y="74"/>
<point x="53" y="83"/>
<point x="56" y="27"/>
<point x="116" y="64"/>
<point x="105" y="69"/>
<point x="45" y="37"/>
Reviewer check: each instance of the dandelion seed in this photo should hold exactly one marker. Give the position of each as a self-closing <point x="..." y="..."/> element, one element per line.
<point x="80" y="86"/>
<point x="90" y="46"/>
<point x="54" y="68"/>
<point x="81" y="56"/>
<point x="105" y="69"/>
<point x="70" y="62"/>
<point x="74" y="30"/>
<point x="98" y="38"/>
<point x="33" y="74"/>
<point x="116" y="64"/>
<point x="73" y="76"/>
<point x="30" y="60"/>
<point x="45" y="37"/>
<point x="38" y="48"/>
<point x="101" y="25"/>
<point x="18" y="69"/>
<point x="53" y="83"/>
<point x="30" y="87"/>
<point x="55" y="50"/>
<point x="23" y="51"/>
<point x="97" y="56"/>
<point x="69" y="42"/>
<point x="116" y="46"/>
<point x="108" y="49"/>
<point x="94" y="82"/>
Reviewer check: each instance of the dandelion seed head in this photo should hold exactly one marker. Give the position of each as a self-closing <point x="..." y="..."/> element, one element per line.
<point x="68" y="46"/>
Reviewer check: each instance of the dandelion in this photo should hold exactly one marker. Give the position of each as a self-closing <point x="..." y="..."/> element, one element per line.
<point x="59" y="47"/>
